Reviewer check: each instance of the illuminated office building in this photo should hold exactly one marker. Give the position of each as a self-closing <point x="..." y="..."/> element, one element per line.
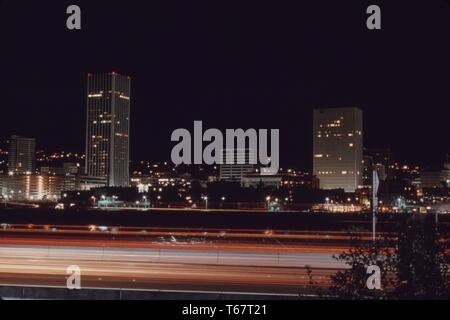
<point x="338" y="148"/>
<point x="108" y="129"/>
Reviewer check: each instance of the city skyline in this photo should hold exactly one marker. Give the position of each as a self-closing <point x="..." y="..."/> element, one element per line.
<point x="217" y="152"/>
<point x="255" y="75"/>
<point x="438" y="159"/>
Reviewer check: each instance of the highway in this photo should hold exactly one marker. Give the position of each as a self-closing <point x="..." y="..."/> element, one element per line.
<point x="165" y="269"/>
<point x="151" y="257"/>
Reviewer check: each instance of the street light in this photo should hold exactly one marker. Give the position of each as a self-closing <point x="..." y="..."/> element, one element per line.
<point x="206" y="202"/>
<point x="436" y="218"/>
<point x="145" y="201"/>
<point x="11" y="197"/>
<point x="103" y="197"/>
<point x="94" y="199"/>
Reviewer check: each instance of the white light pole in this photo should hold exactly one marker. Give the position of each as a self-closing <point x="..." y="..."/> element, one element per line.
<point x="436" y="220"/>
<point x="206" y="202"/>
<point x="374" y="225"/>
<point x="375" y="186"/>
<point x="145" y="201"/>
<point x="94" y="201"/>
<point x="103" y="200"/>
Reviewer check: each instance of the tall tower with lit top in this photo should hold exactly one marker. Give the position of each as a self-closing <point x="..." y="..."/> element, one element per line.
<point x="108" y="128"/>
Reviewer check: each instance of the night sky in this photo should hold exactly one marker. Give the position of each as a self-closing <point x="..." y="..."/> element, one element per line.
<point x="258" y="65"/>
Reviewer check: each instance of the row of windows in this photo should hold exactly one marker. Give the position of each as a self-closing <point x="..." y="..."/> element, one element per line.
<point x="336" y="135"/>
<point x="334" y="172"/>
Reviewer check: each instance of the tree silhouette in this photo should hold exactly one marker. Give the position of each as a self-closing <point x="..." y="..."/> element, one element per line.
<point x="413" y="264"/>
<point x="351" y="283"/>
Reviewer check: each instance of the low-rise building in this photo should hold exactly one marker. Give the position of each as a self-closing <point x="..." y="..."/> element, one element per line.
<point x="33" y="187"/>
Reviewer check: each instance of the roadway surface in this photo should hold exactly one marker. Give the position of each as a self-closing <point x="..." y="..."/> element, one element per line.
<point x="228" y="253"/>
<point x="166" y="269"/>
<point x="162" y="259"/>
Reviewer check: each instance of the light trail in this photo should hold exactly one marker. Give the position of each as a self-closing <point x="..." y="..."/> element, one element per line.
<point x="165" y="269"/>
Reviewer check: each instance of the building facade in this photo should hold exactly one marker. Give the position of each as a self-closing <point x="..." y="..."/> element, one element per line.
<point x="108" y="128"/>
<point x="338" y="148"/>
<point x="436" y="178"/>
<point x="21" y="155"/>
<point x="236" y="164"/>
<point x="35" y="187"/>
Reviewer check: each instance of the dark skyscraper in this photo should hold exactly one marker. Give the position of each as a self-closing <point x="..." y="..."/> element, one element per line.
<point x="108" y="128"/>
<point x="21" y="155"/>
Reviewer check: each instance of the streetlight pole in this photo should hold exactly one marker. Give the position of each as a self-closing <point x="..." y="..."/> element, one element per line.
<point x="375" y="186"/>
<point x="436" y="221"/>
<point x="374" y="225"/>
<point x="145" y="202"/>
